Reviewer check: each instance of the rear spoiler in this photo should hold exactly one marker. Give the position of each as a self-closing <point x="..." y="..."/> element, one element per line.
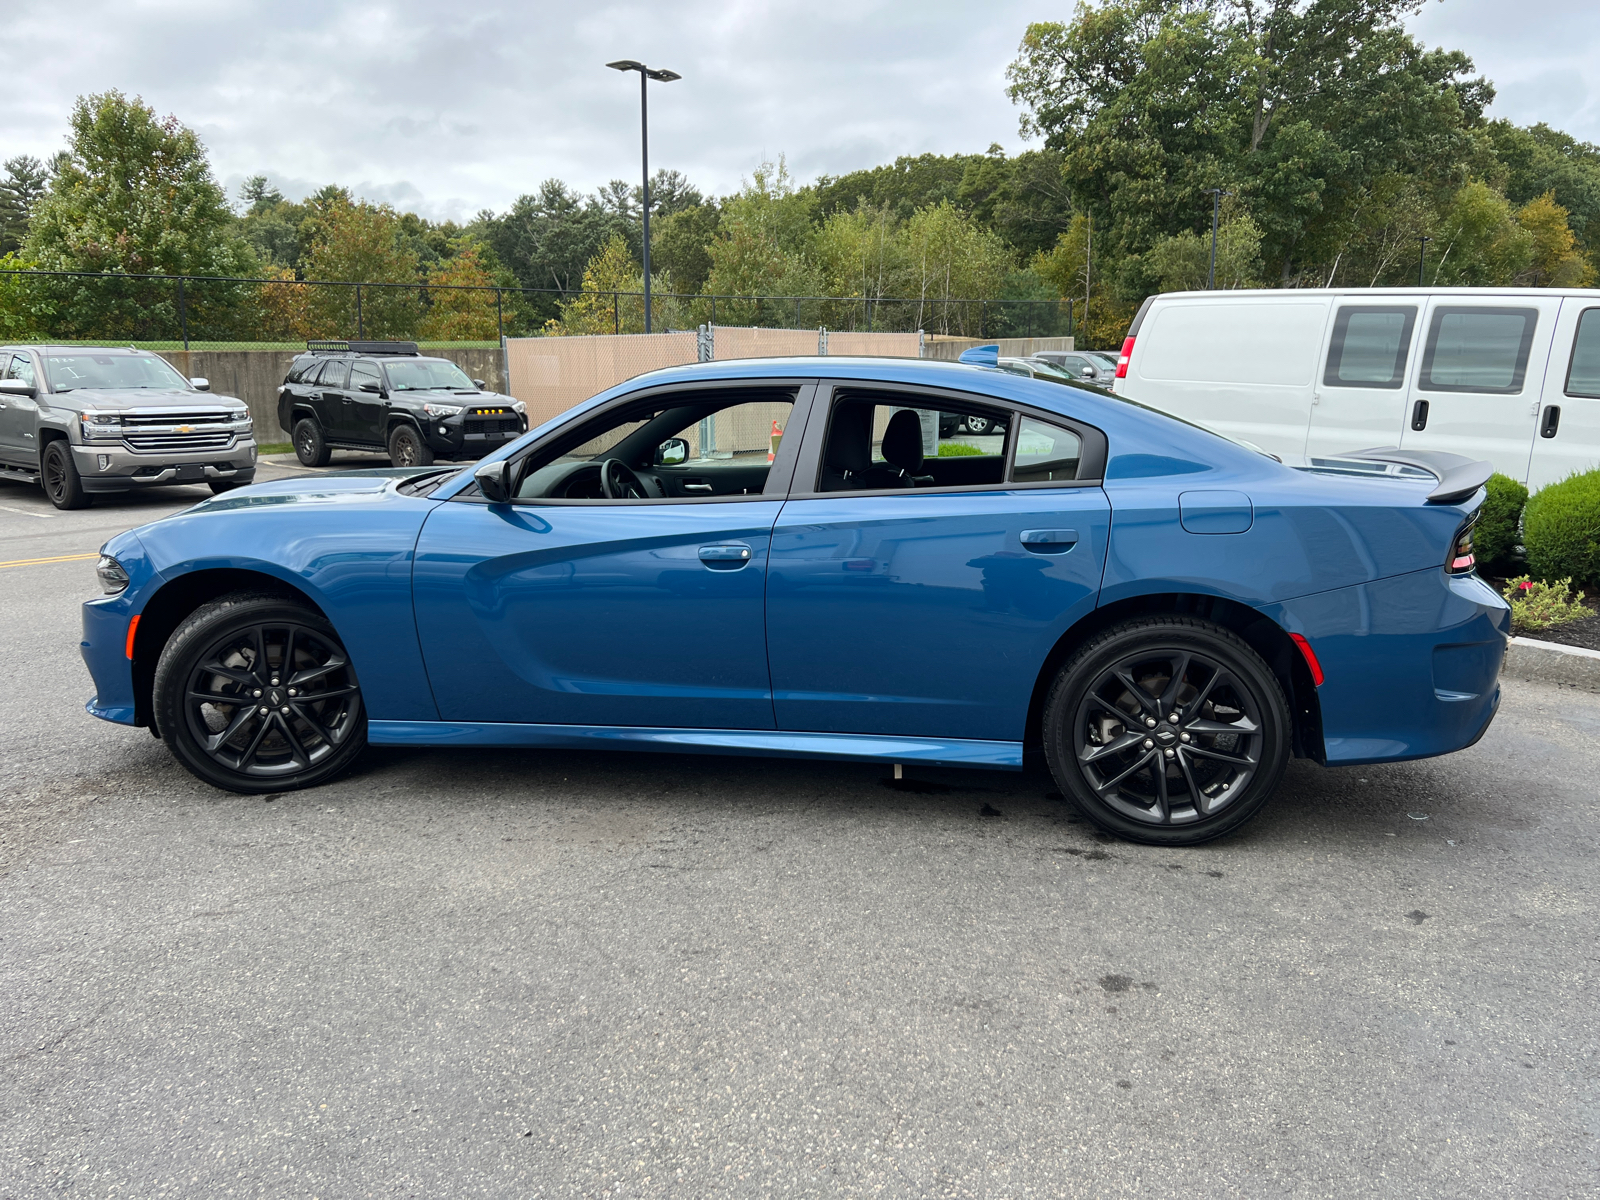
<point x="1459" y="477"/>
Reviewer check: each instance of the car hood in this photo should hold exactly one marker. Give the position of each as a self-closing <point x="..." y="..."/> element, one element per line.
<point x="333" y="488"/>
<point x="130" y="399"/>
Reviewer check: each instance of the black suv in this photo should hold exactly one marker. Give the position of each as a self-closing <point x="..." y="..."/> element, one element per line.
<point x="387" y="396"/>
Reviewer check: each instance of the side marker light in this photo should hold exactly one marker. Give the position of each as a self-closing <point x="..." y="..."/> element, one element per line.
<point x="1310" y="656"/>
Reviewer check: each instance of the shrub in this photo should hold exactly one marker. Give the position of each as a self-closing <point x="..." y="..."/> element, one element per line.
<point x="1495" y="538"/>
<point x="1561" y="530"/>
<point x="1536" y="606"/>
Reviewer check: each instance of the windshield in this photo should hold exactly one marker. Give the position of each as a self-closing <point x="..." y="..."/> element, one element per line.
<point x="1050" y="370"/>
<point x="111" y="372"/>
<point x="1100" y="356"/>
<point x="427" y="374"/>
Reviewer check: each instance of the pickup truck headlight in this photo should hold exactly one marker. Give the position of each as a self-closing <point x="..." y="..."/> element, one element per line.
<point x="113" y="578"/>
<point x="243" y="424"/>
<point x="100" y="426"/>
<point x="442" y="410"/>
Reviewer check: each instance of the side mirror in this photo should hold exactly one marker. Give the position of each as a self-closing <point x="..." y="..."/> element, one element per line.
<point x="478" y="383"/>
<point x="369" y="386"/>
<point x="1087" y="372"/>
<point x="494" y="481"/>
<point x="16" y="387"/>
<point x="672" y="452"/>
<point x="200" y="385"/>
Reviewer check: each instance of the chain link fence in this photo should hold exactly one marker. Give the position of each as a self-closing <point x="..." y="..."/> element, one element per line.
<point x="201" y="313"/>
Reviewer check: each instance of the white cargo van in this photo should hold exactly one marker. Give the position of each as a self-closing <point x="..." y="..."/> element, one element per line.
<point x="1511" y="375"/>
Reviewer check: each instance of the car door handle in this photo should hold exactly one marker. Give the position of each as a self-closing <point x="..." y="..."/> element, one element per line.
<point x="1419" y="415"/>
<point x="1049" y="541"/>
<point x="1552" y="421"/>
<point x="727" y="557"/>
<point x="697" y="487"/>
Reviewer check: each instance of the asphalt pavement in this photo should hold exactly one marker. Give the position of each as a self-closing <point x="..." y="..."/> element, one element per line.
<point x="482" y="973"/>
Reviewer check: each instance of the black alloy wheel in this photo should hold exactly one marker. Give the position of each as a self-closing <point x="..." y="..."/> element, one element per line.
<point x="309" y="445"/>
<point x="254" y="693"/>
<point x="59" y="476"/>
<point x="407" y="447"/>
<point x="1167" y="730"/>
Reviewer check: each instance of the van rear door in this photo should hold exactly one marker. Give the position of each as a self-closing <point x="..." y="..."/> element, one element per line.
<point x="1360" y="399"/>
<point x="1477" y="386"/>
<point x="1568" y="436"/>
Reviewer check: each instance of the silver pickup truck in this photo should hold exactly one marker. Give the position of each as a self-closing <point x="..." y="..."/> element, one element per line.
<point x="83" y="421"/>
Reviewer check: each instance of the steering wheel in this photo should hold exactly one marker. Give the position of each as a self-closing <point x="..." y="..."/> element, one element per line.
<point x="618" y="481"/>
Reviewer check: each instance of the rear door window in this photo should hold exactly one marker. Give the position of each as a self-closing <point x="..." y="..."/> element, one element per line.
<point x="333" y="374"/>
<point x="1478" y="349"/>
<point x="1583" y="375"/>
<point x="1369" y="346"/>
<point x="1045" y="453"/>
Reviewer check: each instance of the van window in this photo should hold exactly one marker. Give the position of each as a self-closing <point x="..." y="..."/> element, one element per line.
<point x="1583" y="376"/>
<point x="1478" y="349"/>
<point x="1369" y="347"/>
<point x="1217" y="342"/>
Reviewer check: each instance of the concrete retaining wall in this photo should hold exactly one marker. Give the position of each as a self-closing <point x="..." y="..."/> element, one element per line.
<point x="254" y="376"/>
<point x="950" y="348"/>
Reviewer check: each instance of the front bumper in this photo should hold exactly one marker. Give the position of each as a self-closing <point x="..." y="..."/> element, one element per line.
<point x="471" y="437"/>
<point x="112" y="467"/>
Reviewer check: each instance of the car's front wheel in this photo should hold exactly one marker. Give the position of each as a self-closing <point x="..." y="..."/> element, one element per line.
<point x="254" y="693"/>
<point x="407" y="448"/>
<point x="59" y="475"/>
<point x="1167" y="730"/>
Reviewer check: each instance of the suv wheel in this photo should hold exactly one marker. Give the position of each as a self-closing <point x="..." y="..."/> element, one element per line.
<point x="59" y="476"/>
<point x="407" y="447"/>
<point x="309" y="446"/>
<point x="254" y="693"/>
<point x="1167" y="730"/>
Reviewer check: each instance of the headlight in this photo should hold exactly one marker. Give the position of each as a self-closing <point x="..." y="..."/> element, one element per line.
<point x="100" y="427"/>
<point x="242" y="423"/>
<point x="113" y="578"/>
<point x="442" y="410"/>
<point x="518" y="407"/>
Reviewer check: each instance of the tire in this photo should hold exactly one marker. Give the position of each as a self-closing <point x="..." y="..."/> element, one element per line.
<point x="58" y="475"/>
<point x="1119" y="756"/>
<point x="408" y="448"/>
<point x="977" y="426"/>
<point x="309" y="445"/>
<point x="218" y="486"/>
<point x="233" y="650"/>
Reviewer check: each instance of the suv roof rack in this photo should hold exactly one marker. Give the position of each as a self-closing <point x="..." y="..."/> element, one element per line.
<point x="339" y="346"/>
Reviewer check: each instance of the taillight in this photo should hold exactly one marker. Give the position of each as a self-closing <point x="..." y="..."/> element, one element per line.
<point x="1462" y="560"/>
<point x="1122" y="359"/>
<point x="1310" y="655"/>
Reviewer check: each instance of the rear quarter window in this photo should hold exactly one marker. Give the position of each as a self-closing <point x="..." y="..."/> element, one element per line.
<point x="1273" y="343"/>
<point x="1583" y="375"/>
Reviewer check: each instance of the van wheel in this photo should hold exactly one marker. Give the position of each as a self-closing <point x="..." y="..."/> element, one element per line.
<point x="1167" y="730"/>
<point x="407" y="448"/>
<point x="254" y="693"/>
<point x="309" y="446"/>
<point x="59" y="476"/>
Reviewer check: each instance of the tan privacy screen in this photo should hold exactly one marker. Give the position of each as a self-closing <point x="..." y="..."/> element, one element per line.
<point x="551" y="374"/>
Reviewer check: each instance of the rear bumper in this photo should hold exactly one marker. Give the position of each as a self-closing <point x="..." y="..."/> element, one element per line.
<point x="1411" y="663"/>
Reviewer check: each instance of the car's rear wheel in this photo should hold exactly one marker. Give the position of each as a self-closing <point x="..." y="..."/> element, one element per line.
<point x="407" y="447"/>
<point x="255" y="693"/>
<point x="309" y="445"/>
<point x="59" y="475"/>
<point x="1167" y="730"/>
<point x="978" y="425"/>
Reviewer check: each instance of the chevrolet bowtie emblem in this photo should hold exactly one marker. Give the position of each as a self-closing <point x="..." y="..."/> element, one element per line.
<point x="185" y="428"/>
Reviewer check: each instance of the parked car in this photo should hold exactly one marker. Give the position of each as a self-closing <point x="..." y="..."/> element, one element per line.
<point x="389" y="396"/>
<point x="82" y="421"/>
<point x="1511" y="375"/>
<point x="1084" y="366"/>
<point x="1168" y="615"/>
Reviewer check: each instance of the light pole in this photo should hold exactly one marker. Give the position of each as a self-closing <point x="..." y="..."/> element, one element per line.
<point x="1216" y="203"/>
<point x="646" y="74"/>
<point x="1422" y="261"/>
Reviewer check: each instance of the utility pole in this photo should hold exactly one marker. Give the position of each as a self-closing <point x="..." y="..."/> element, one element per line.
<point x="646" y="74"/>
<point x="1088" y="269"/>
<point x="1422" y="261"/>
<point x="1216" y="207"/>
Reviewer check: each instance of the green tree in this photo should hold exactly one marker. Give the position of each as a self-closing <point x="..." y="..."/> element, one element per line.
<point x="678" y="246"/>
<point x="1182" y="262"/>
<point x="762" y="248"/>
<point x="20" y="190"/>
<point x="461" y="316"/>
<point x="362" y="243"/>
<point x="612" y="299"/>
<point x="1555" y="259"/>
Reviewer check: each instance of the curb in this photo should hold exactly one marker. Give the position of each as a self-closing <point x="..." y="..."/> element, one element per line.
<point x="1551" y="662"/>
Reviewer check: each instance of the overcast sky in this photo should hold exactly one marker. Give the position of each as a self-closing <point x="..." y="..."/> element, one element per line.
<point x="449" y="108"/>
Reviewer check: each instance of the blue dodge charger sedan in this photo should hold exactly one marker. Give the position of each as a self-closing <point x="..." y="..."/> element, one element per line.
<point x="786" y="557"/>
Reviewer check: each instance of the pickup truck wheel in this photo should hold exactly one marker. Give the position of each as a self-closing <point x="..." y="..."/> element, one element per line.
<point x="309" y="446"/>
<point x="254" y="693"/>
<point x="407" y="448"/>
<point x="1167" y="730"/>
<point x="59" y="476"/>
<point x="218" y="486"/>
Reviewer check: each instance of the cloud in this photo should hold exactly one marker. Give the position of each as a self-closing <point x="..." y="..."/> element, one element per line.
<point x="454" y="108"/>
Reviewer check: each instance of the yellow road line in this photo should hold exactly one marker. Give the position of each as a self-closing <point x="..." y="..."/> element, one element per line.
<point x="39" y="562"/>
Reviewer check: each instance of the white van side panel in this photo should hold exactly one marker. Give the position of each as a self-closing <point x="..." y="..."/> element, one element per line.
<point x="1568" y="440"/>
<point x="1244" y="367"/>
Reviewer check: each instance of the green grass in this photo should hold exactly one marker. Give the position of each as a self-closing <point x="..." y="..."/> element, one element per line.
<point x="274" y="448"/>
<point x="957" y="450"/>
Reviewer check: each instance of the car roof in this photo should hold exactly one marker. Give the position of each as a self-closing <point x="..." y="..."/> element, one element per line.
<point x="78" y="349"/>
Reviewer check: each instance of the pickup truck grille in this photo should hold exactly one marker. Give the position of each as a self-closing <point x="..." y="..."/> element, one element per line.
<point x="148" y="442"/>
<point x="179" y="432"/>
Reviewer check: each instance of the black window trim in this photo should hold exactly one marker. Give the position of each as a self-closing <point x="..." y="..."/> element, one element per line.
<point x="1524" y="351"/>
<point x="1341" y="327"/>
<point x="809" y="468"/>
<point x="778" y="478"/>
<point x="1572" y="358"/>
